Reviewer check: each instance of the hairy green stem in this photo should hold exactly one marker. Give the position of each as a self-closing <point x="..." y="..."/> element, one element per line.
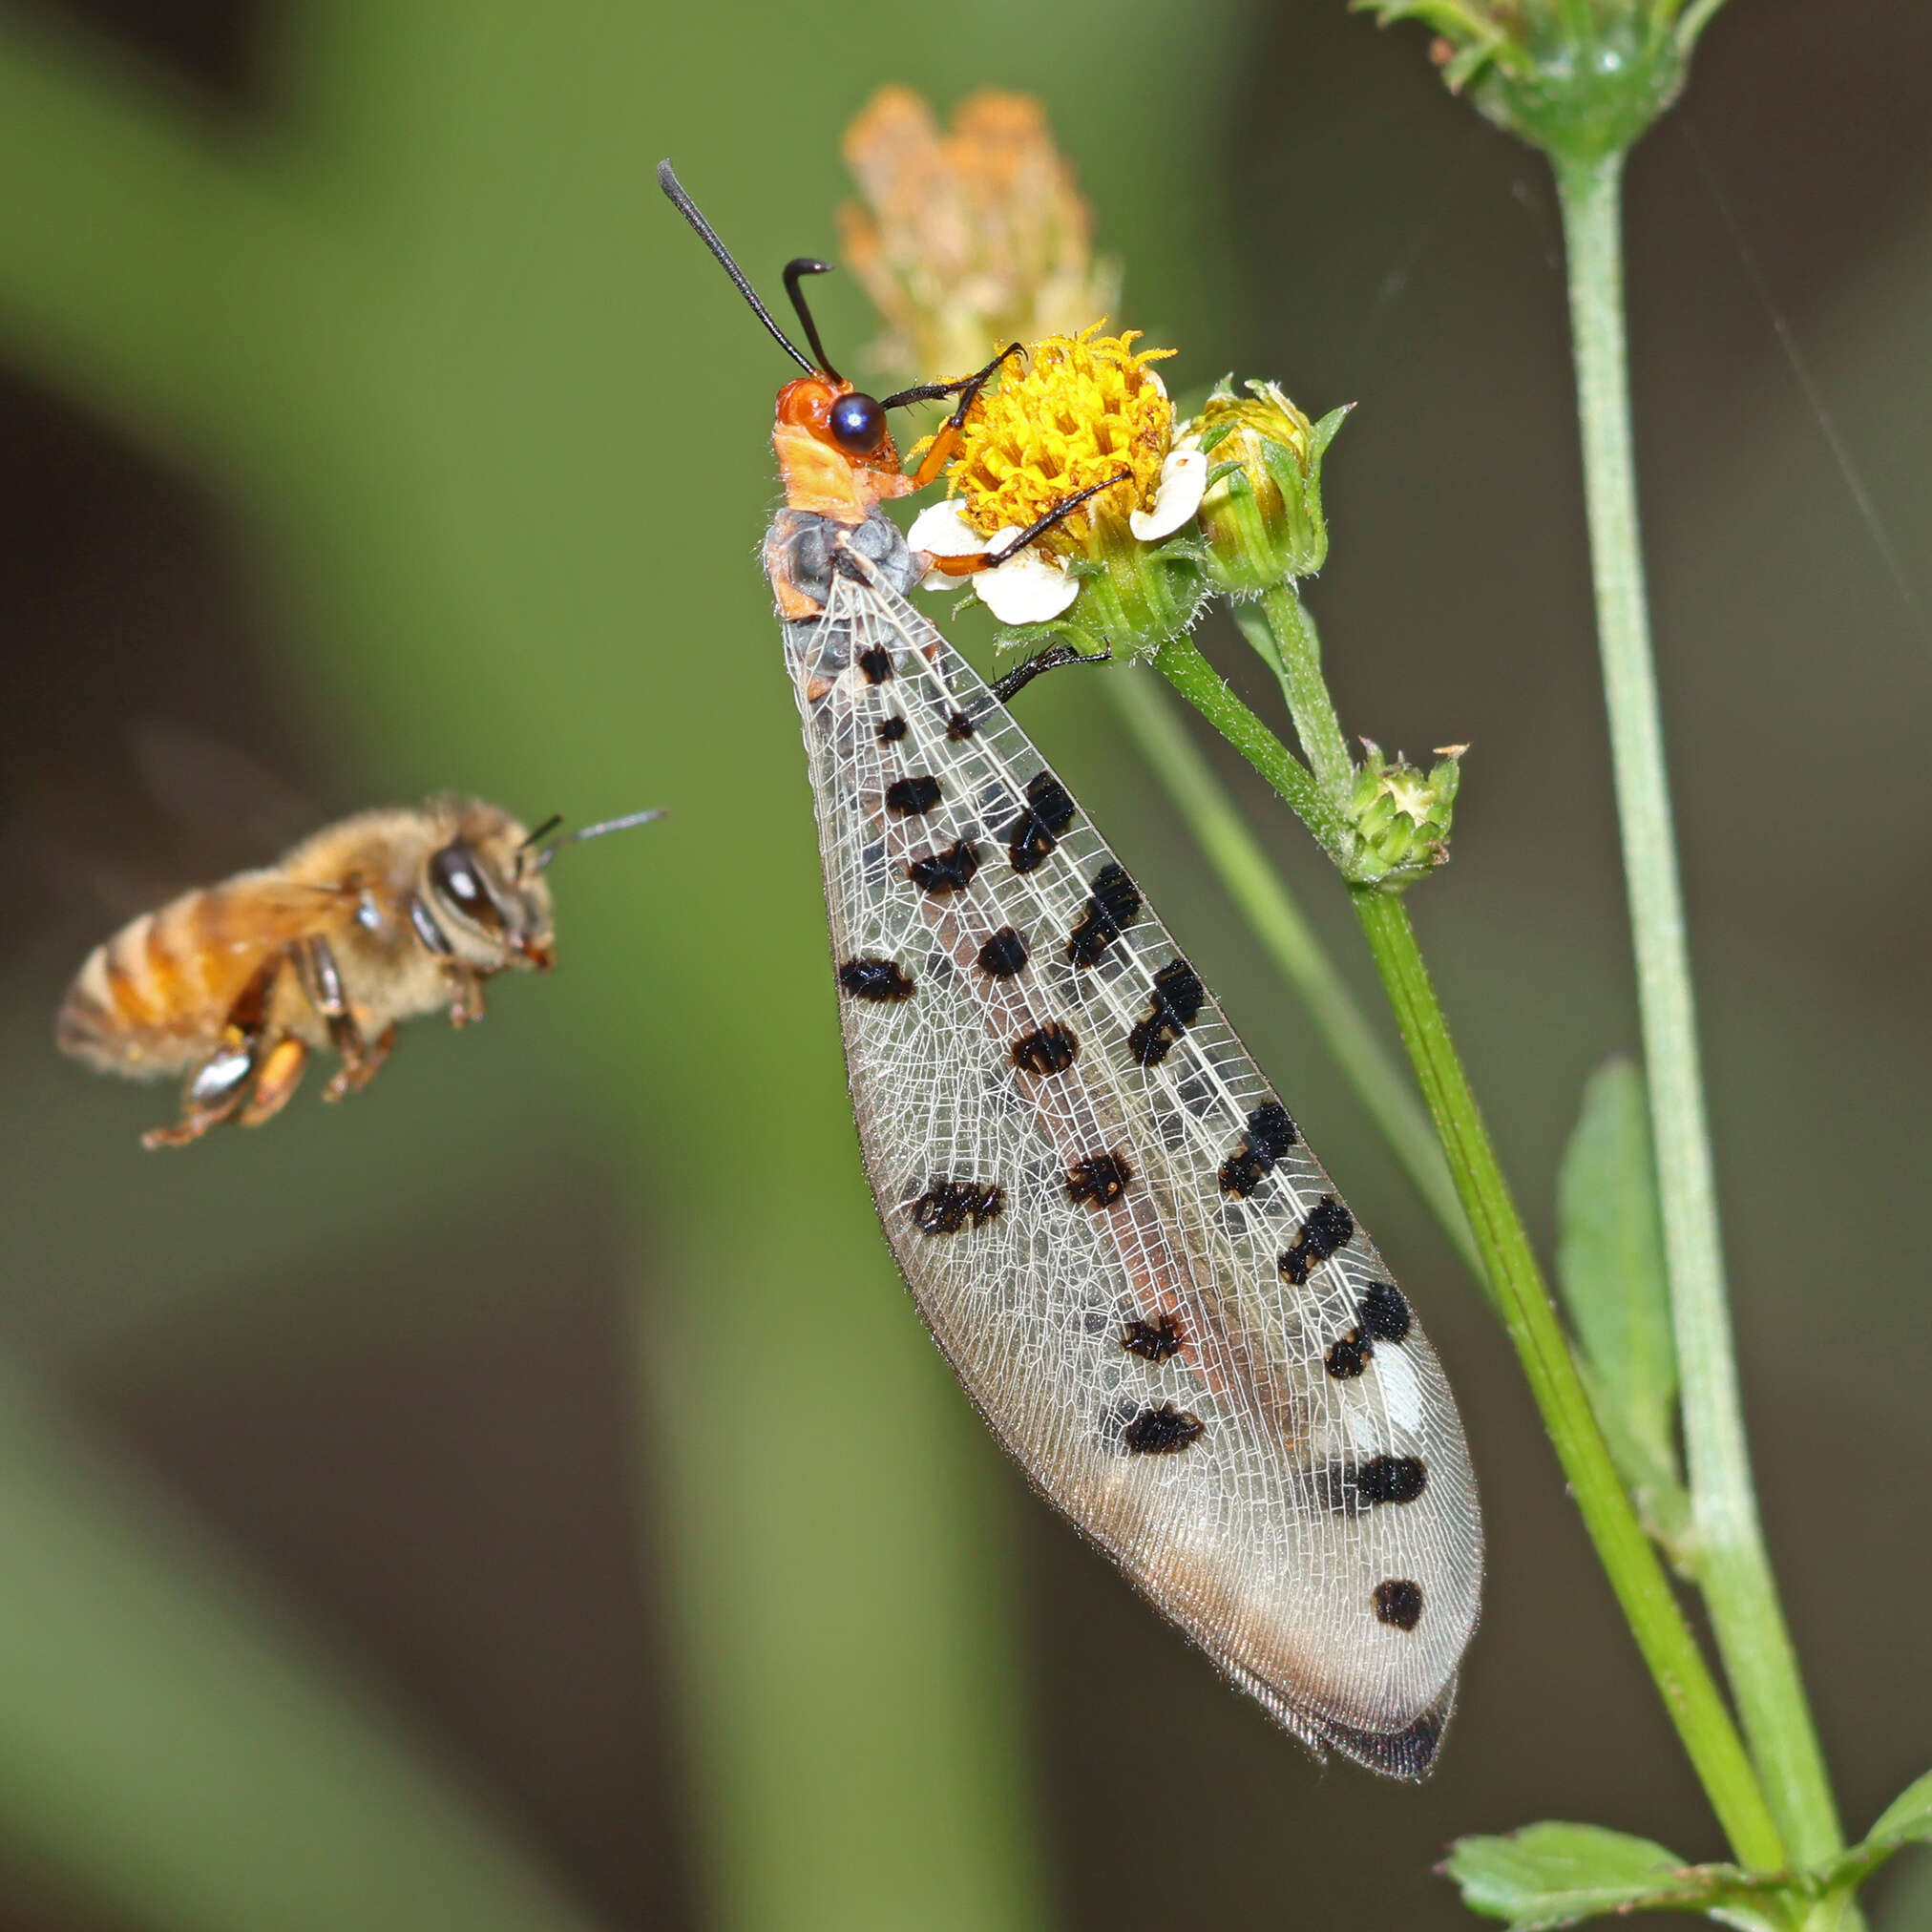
<point x="1281" y="630"/>
<point x="1183" y="665"/>
<point x="1683" y="1679"/>
<point x="1732" y="1564"/>
<point x="1258" y="889"/>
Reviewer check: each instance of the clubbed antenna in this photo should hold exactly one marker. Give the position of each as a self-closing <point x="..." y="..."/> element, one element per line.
<point x="674" y="190"/>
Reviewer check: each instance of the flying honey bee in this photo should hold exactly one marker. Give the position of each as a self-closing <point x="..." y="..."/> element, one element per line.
<point x="368" y="922"/>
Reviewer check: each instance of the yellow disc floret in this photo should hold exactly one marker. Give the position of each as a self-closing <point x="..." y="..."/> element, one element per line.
<point x="1082" y="408"/>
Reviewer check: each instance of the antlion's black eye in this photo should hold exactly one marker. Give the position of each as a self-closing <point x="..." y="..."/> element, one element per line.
<point x="858" y="423"/>
<point x="458" y="878"/>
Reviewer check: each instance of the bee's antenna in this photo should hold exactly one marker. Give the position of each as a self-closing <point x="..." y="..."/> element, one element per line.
<point x="571" y="838"/>
<point x="674" y="190"/>
<point x="549" y="826"/>
<point x="802" y="265"/>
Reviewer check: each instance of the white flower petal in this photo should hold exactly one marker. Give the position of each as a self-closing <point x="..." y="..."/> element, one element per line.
<point x="941" y="530"/>
<point x="1183" y="478"/>
<point x="1026" y="589"/>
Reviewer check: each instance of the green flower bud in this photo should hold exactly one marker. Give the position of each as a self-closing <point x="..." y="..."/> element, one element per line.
<point x="1262" y="517"/>
<point x="1581" y="82"/>
<point x="1402" y="815"/>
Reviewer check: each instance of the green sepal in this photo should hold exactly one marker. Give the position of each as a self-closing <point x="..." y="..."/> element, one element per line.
<point x="1325" y="430"/>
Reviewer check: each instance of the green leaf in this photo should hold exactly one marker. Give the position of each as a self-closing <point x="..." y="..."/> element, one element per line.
<point x="1610" y="1265"/>
<point x="1555" y="1874"/>
<point x="1907" y="1819"/>
<point x="1550" y="1874"/>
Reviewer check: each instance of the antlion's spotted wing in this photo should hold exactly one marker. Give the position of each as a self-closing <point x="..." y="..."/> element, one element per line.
<point x="1145" y="1280"/>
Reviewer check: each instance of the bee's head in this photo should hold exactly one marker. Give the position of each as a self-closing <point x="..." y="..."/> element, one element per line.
<point x="484" y="880"/>
<point x="485" y="884"/>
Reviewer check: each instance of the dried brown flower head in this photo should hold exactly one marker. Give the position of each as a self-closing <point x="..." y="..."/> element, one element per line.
<point x="969" y="239"/>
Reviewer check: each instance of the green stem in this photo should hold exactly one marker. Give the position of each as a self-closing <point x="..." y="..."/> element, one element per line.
<point x="1281" y="630"/>
<point x="1642" y="1588"/>
<point x="1203" y="686"/>
<point x="1733" y="1563"/>
<point x="1684" y="1681"/>
<point x="1260" y="894"/>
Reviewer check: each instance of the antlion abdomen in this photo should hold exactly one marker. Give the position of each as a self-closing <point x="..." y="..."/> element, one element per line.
<point x="151" y="1002"/>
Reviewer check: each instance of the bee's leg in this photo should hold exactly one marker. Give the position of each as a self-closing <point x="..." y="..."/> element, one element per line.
<point x="466" y="996"/>
<point x="322" y="979"/>
<point x="356" y="1074"/>
<point x="217" y="1087"/>
<point x="280" y="1074"/>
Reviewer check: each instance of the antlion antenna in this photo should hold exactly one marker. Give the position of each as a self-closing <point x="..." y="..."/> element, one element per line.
<point x="802" y="265"/>
<point x="674" y="190"/>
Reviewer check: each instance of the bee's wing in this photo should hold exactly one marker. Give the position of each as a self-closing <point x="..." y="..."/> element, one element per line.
<point x="1047" y="1147"/>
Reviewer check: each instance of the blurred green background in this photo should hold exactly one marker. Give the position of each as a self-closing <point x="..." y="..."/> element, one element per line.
<point x="523" y="1498"/>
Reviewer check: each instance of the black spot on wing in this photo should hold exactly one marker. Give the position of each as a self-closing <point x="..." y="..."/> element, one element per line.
<point x="947" y="1206"/>
<point x="1383" y="1311"/>
<point x="1004" y="954"/>
<point x="1348" y="1357"/>
<point x="1048" y="1049"/>
<point x="912" y="797"/>
<point x="1098" y="1180"/>
<point x="948" y="871"/>
<point x="1353" y="1488"/>
<point x="892" y="729"/>
<point x="1328" y="1226"/>
<point x="1113" y="902"/>
<point x="884" y="980"/>
<point x="876" y="663"/>
<point x="1270" y="1134"/>
<point x="1165" y="1431"/>
<point x="1177" y="997"/>
<point x="1032" y="836"/>
<point x="1153" y="1341"/>
<point x="960" y="727"/>
<point x="1398" y="1602"/>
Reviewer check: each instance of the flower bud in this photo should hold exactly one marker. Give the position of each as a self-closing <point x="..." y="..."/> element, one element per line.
<point x="1262" y="515"/>
<point x="1402" y="815"/>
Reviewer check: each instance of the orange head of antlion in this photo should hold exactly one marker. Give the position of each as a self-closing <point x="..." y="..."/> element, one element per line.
<point x="836" y="456"/>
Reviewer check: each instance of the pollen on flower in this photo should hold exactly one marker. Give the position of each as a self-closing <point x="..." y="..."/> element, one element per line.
<point x="1082" y="409"/>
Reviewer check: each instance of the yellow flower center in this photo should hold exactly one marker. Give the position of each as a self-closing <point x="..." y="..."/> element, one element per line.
<point x="1082" y="409"/>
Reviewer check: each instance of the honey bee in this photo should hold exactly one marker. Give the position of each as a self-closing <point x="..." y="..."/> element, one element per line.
<point x="366" y="923"/>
